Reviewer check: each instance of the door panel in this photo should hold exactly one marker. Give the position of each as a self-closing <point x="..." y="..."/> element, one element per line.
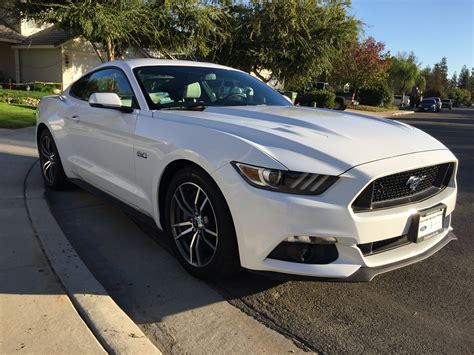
<point x="103" y="142"/>
<point x="102" y="139"/>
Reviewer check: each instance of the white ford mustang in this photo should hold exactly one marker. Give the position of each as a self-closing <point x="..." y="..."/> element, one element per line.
<point x="239" y="177"/>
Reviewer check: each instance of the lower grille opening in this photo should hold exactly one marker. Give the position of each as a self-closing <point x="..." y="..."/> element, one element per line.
<point x="383" y="245"/>
<point x="305" y="253"/>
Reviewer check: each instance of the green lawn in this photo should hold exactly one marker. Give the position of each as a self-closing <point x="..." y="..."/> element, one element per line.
<point x="374" y="108"/>
<point x="16" y="116"/>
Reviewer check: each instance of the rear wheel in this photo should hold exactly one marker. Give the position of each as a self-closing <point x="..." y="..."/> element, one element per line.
<point x="51" y="167"/>
<point x="339" y="104"/>
<point x="200" y="226"/>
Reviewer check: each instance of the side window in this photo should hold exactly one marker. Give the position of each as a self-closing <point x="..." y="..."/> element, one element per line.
<point x="106" y="80"/>
<point x="79" y="88"/>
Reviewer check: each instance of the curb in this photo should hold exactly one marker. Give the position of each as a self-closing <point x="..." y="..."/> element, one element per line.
<point x="116" y="332"/>
<point x="402" y="113"/>
<point x="382" y="114"/>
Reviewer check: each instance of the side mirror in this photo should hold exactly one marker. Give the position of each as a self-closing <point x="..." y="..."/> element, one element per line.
<point x="288" y="99"/>
<point x="108" y="100"/>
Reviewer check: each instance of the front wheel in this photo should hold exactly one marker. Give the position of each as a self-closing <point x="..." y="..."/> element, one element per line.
<point x="200" y="226"/>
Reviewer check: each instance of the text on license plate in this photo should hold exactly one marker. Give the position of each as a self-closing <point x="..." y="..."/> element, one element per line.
<point x="430" y="224"/>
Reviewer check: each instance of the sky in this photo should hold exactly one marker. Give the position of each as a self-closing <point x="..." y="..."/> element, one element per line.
<point x="432" y="29"/>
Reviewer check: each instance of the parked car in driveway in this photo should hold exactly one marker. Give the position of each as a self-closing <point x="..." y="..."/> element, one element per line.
<point x="447" y="103"/>
<point x="239" y="177"/>
<point x="428" y="105"/>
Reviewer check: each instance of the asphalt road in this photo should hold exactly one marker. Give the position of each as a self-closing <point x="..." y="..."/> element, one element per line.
<point x="423" y="308"/>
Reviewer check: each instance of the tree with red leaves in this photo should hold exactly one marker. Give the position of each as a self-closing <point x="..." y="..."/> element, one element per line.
<point x="362" y="64"/>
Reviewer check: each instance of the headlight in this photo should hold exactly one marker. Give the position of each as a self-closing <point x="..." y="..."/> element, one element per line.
<point x="284" y="180"/>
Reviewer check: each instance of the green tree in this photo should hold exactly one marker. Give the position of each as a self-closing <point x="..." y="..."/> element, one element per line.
<point x="453" y="83"/>
<point x="472" y="84"/>
<point x="437" y="82"/>
<point x="403" y="73"/>
<point x="115" y="25"/>
<point x="293" y="41"/>
<point x="440" y="77"/>
<point x="464" y="79"/>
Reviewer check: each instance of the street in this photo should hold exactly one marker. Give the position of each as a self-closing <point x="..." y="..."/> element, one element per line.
<point x="423" y="308"/>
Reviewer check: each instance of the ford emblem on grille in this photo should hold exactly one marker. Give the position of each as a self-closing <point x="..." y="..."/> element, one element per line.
<point x="414" y="181"/>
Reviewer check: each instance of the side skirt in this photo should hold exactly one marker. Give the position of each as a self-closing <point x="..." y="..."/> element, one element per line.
<point x="124" y="207"/>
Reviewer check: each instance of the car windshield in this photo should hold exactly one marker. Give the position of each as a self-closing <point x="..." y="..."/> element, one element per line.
<point x="189" y="86"/>
<point x="428" y="101"/>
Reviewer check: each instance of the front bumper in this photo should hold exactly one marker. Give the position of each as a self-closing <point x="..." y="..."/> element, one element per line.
<point x="264" y="219"/>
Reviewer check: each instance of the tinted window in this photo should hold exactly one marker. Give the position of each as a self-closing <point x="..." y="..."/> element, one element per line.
<point x="178" y="85"/>
<point x="106" y="80"/>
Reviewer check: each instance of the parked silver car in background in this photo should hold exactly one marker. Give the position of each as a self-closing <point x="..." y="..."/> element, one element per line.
<point x="447" y="104"/>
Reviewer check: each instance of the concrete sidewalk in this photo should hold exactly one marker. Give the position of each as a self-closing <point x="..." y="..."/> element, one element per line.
<point x="36" y="314"/>
<point x="49" y="304"/>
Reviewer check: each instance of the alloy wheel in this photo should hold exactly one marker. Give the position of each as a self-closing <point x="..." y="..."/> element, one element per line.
<point x="48" y="158"/>
<point x="194" y="224"/>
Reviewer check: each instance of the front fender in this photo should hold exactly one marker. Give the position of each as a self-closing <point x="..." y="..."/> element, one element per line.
<point x="166" y="141"/>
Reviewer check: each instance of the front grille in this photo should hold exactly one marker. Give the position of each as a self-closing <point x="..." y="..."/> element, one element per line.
<point x="405" y="187"/>
<point x="396" y="186"/>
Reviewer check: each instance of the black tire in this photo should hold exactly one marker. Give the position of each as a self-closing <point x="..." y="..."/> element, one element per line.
<point x="213" y="264"/>
<point x="339" y="105"/>
<point x="50" y="162"/>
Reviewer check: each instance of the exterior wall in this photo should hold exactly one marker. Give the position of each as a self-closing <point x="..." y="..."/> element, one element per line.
<point x="78" y="58"/>
<point x="29" y="27"/>
<point x="41" y="65"/>
<point x="7" y="62"/>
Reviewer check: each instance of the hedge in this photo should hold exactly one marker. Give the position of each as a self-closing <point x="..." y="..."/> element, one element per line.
<point x="322" y="98"/>
<point x="376" y="95"/>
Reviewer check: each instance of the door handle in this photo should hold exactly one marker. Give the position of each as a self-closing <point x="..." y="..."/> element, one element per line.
<point x="75" y="118"/>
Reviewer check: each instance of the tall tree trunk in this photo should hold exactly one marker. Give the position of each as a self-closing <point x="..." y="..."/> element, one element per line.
<point x="97" y="51"/>
<point x="261" y="77"/>
<point x="110" y="50"/>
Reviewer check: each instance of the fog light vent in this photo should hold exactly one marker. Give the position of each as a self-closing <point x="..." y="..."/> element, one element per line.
<point x="306" y="250"/>
<point x="311" y="240"/>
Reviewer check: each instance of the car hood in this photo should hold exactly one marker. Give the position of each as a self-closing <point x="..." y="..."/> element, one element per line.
<point x="313" y="140"/>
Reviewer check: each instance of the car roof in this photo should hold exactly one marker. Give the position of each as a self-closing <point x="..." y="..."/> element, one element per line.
<point x="141" y="62"/>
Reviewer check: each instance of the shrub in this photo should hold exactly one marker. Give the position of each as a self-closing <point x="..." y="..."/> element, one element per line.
<point x="46" y="88"/>
<point x="376" y="95"/>
<point x="322" y="98"/>
<point x="21" y="97"/>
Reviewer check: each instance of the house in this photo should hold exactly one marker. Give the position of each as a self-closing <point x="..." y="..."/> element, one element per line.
<point x="30" y="52"/>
